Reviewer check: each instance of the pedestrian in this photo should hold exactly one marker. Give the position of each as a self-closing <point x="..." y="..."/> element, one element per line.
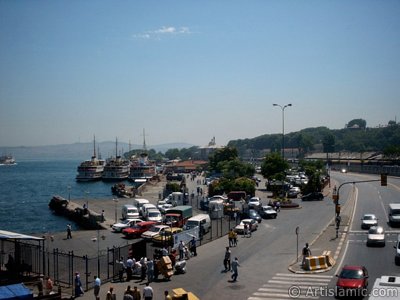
<point x="128" y="293"/>
<point x="235" y="265"/>
<point x="167" y="296"/>
<point x="235" y="240"/>
<point x="245" y="228"/>
<point x="148" y="292"/>
<point x="96" y="289"/>
<point x="306" y="253"/>
<point x="40" y="285"/>
<point x="102" y="216"/>
<point x="181" y="247"/>
<point x="227" y="259"/>
<point x="49" y="285"/>
<point x="150" y="270"/>
<point x="110" y="294"/>
<point x="193" y="249"/>
<point x="230" y="237"/>
<point x="78" y="285"/>
<point x="69" y="230"/>
<point x="143" y="268"/>
<point x="121" y="268"/>
<point x="136" y="293"/>
<point x="128" y="268"/>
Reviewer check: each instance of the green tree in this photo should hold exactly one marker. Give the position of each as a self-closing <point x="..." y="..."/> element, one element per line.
<point x="361" y="123"/>
<point x="221" y="155"/>
<point x="235" y="168"/>
<point x="274" y="166"/>
<point x="328" y="143"/>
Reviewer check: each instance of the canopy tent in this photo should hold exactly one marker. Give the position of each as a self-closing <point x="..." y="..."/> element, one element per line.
<point x="15" y="292"/>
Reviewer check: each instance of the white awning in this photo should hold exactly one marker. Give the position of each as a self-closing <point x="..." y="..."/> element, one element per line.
<point x="8" y="235"/>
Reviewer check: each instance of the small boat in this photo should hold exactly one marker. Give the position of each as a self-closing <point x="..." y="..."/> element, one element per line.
<point x="91" y="170"/>
<point x="7" y="160"/>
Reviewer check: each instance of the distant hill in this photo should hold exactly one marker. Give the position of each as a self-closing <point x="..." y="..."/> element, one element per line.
<point x="79" y="151"/>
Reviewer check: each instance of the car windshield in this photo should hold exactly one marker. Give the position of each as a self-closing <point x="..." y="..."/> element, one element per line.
<point x="376" y="230"/>
<point x="154" y="214"/>
<point x="154" y="229"/>
<point x="351" y="274"/>
<point x="369" y="217"/>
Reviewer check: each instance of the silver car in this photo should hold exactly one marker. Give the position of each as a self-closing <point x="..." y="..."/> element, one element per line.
<point x="376" y="236"/>
<point x="369" y="220"/>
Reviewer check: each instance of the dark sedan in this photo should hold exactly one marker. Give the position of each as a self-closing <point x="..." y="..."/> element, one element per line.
<point x="253" y="214"/>
<point x="313" y="196"/>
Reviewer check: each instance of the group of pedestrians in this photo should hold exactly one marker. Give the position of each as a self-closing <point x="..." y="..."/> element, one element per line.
<point x="231" y="265"/>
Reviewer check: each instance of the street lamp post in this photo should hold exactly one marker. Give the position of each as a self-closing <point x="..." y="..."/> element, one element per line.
<point x="116" y="202"/>
<point x="283" y="126"/>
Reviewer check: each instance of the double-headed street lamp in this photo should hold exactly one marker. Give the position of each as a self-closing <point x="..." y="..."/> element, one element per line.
<point x="283" y="126"/>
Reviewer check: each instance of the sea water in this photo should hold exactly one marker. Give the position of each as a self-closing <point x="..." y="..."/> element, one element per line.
<point x="27" y="188"/>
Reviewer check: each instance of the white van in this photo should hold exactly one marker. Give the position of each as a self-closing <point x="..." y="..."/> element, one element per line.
<point x="394" y="214"/>
<point x="130" y="212"/>
<point x="154" y="215"/>
<point x="203" y="221"/>
<point x="139" y="202"/>
<point x="146" y="207"/>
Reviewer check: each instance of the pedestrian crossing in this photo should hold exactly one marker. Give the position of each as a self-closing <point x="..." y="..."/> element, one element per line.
<point x="283" y="286"/>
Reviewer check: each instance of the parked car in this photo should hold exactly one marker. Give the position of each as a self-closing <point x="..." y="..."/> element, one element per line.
<point x="163" y="207"/>
<point x="253" y="214"/>
<point x="369" y="220"/>
<point x="313" y="196"/>
<point x="137" y="230"/>
<point x="156" y="229"/>
<point x="268" y="212"/>
<point x="165" y="236"/>
<point x="376" y="236"/>
<point x="254" y="202"/>
<point x="352" y="282"/>
<point x="294" y="192"/>
<point x="252" y="224"/>
<point x="118" y="227"/>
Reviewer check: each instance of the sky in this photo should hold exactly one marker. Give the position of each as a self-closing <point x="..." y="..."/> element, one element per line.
<point x="187" y="71"/>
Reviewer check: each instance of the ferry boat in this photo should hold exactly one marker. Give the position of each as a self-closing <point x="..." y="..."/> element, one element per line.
<point x="116" y="168"/>
<point x="142" y="168"/>
<point x="7" y="160"/>
<point x="91" y="170"/>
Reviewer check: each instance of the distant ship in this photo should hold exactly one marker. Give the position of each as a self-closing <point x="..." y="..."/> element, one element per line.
<point x="91" y="170"/>
<point x="7" y="160"/>
<point x="116" y="168"/>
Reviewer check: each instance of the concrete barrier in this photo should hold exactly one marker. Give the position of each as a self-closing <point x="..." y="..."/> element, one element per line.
<point x="323" y="261"/>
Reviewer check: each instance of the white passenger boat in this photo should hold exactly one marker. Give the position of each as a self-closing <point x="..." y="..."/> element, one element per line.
<point x="91" y="170"/>
<point x="116" y="168"/>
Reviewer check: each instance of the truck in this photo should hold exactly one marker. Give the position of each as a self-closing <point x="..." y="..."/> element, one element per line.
<point x="385" y="288"/>
<point x="178" y="215"/>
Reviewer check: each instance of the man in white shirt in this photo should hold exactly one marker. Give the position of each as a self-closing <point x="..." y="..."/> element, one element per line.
<point x="97" y="284"/>
<point x="148" y="292"/>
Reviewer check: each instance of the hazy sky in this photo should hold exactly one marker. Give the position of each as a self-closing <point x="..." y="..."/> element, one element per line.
<point x="190" y="70"/>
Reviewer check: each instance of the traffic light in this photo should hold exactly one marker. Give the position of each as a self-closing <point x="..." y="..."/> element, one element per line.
<point x="383" y="179"/>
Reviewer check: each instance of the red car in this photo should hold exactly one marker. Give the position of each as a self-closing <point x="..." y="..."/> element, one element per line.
<point x="352" y="282"/>
<point x="137" y="230"/>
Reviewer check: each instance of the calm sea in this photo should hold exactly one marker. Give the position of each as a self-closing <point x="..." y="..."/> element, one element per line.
<point x="27" y="188"/>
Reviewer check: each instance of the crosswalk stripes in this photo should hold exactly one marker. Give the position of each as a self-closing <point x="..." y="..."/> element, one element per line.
<point x="283" y="286"/>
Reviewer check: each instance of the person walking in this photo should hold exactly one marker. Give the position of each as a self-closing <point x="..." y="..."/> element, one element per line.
<point x="150" y="270"/>
<point x="245" y="230"/>
<point x="96" y="289"/>
<point x="78" y="285"/>
<point x="148" y="292"/>
<point x="235" y="265"/>
<point x="227" y="259"/>
<point x="49" y="286"/>
<point x="181" y="247"/>
<point x="306" y="253"/>
<point x="69" y="231"/>
<point x="167" y="296"/>
<point x="110" y="294"/>
<point x="230" y="237"/>
<point x="235" y="240"/>
<point x="192" y="245"/>
<point x="136" y="293"/>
